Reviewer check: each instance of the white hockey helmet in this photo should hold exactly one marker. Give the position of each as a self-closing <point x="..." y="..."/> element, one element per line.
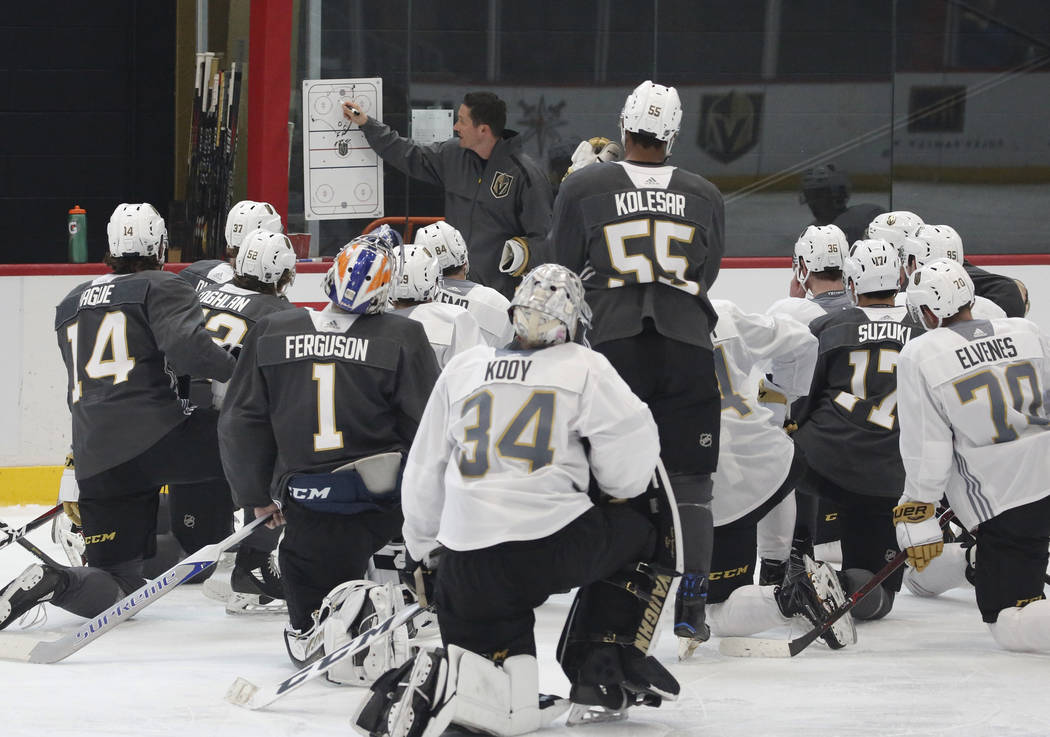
<point x="893" y="227"/>
<point x="942" y="286"/>
<point x="548" y="306"/>
<point x="360" y="279"/>
<point x="652" y="109"/>
<point x="446" y="242"/>
<point x="137" y="230"/>
<point x="390" y="235"/>
<point x="931" y="242"/>
<point x="873" y="266"/>
<point x="266" y="256"/>
<point x="246" y="216"/>
<point x="418" y="274"/>
<point x="819" y="248"/>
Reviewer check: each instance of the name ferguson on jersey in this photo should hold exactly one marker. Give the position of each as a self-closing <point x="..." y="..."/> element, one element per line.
<point x="650" y="200"/>
<point x="325" y="346"/>
<point x="984" y="351"/>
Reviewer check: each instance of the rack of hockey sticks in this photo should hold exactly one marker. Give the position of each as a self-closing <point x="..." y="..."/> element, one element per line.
<point x="29" y="648"/>
<point x="213" y="152"/>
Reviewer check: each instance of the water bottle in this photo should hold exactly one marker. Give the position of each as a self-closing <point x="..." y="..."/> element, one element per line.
<point x="77" y="235"/>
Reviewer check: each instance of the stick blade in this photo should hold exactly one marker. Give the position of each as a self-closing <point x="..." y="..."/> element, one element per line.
<point x="241" y="692"/>
<point x="754" y="647"/>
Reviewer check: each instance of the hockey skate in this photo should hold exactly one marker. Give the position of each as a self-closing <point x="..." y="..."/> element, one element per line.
<point x="690" y="625"/>
<point x="37" y="584"/>
<point x="771" y="572"/>
<point x="812" y="590"/>
<point x="613" y="678"/>
<point x="217" y="587"/>
<point x="255" y="584"/>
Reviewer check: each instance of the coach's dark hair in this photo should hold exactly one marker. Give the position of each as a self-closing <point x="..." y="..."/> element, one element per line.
<point x="487" y="108"/>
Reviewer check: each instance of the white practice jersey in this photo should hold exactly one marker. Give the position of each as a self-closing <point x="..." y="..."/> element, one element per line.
<point x="983" y="308"/>
<point x="754" y="454"/>
<point x="499" y="454"/>
<point x="488" y="307"/>
<point x="973" y="423"/>
<point x="450" y="329"/>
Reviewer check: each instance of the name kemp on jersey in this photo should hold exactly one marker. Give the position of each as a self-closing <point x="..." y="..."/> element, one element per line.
<point x="325" y="346"/>
<point x="649" y="200"/>
<point x="985" y="351"/>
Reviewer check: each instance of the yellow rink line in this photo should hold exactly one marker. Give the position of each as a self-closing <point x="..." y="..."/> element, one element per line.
<point x="29" y="484"/>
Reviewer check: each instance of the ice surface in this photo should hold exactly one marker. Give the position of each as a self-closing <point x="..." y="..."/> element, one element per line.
<point x="929" y="669"/>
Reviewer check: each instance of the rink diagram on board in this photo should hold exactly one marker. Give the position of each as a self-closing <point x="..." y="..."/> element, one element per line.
<point x="929" y="669"/>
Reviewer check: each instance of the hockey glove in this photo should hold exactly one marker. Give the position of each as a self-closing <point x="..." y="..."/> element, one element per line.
<point x="515" y="256"/>
<point x="918" y="532"/>
<point x="593" y="150"/>
<point x="773" y="399"/>
<point x="72" y="510"/>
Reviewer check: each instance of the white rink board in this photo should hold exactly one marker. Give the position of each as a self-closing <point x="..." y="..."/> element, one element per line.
<point x="39" y="433"/>
<point x="930" y="668"/>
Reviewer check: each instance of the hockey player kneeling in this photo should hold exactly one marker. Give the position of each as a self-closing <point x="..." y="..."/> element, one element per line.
<point x="498" y="474"/>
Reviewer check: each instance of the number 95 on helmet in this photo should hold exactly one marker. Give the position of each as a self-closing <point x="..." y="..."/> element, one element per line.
<point x="360" y="279"/>
<point x="548" y="307"/>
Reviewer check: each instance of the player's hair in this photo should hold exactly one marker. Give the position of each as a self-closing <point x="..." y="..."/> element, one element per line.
<point x="886" y="294"/>
<point x="487" y="108"/>
<point x="827" y="275"/>
<point x="130" y="264"/>
<point x="253" y="284"/>
<point x="645" y="140"/>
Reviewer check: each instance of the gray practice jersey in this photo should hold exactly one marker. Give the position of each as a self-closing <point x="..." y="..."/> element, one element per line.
<point x="229" y="314"/>
<point x="647" y="240"/>
<point x="207" y="273"/>
<point x="487" y="200"/>
<point x="123" y="339"/>
<point x="489" y="308"/>
<point x="847" y="425"/>
<point x="314" y="390"/>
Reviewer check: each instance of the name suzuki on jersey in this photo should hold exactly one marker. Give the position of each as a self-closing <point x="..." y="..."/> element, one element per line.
<point x="325" y="346"/>
<point x="669" y="203"/>
<point x="96" y="295"/>
<point x="225" y="301"/>
<point x="883" y="331"/>
<point x="512" y="369"/>
<point x="993" y="349"/>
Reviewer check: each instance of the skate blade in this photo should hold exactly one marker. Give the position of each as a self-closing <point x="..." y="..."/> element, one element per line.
<point x="686" y="647"/>
<point x="241" y="692"/>
<point x="592" y="714"/>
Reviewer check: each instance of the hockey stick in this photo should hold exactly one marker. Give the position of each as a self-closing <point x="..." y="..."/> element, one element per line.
<point x="756" y="647"/>
<point x="31" y="649"/>
<point x="9" y="535"/>
<point x="244" y="693"/>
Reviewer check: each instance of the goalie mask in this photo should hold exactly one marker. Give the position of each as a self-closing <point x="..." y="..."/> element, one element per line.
<point x="872" y="266"/>
<point x="894" y="227"/>
<point x="931" y="242"/>
<point x="360" y="279"/>
<point x="548" y="307"/>
<point x="137" y="230"/>
<point x="942" y="286"/>
<point x="654" y="110"/>
<point x="446" y="242"/>
<point x="392" y="238"/>
<point x="247" y="216"/>
<point x="266" y="256"/>
<point x="819" y="248"/>
<point x="418" y="274"/>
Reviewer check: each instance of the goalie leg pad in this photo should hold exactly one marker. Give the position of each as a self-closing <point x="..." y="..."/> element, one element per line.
<point x="748" y="610"/>
<point x="945" y="572"/>
<point x="352" y="608"/>
<point x="1024" y="629"/>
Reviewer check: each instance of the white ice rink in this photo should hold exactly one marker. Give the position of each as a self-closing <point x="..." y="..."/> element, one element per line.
<point x="929" y="669"/>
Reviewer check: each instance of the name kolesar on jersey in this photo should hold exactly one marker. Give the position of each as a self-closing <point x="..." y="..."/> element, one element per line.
<point x="312" y="345"/>
<point x="649" y="200"/>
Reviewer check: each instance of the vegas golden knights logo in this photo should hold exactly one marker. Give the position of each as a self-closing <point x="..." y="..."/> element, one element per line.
<point x="500" y="186"/>
<point x="729" y="124"/>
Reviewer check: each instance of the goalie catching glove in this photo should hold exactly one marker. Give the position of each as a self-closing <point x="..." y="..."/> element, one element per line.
<point x="515" y="256"/>
<point x="918" y="532"/>
<point x="593" y="150"/>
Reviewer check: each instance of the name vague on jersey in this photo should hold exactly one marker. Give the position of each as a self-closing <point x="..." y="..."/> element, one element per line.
<point x="326" y="346"/>
<point x="96" y="295"/>
<point x="993" y="349"/>
<point x="668" y="203"/>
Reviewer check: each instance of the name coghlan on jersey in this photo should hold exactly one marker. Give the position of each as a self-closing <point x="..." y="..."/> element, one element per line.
<point x="325" y="346"/>
<point x="985" y="351"/>
<point x="668" y="203"/>
<point x="224" y="301"/>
